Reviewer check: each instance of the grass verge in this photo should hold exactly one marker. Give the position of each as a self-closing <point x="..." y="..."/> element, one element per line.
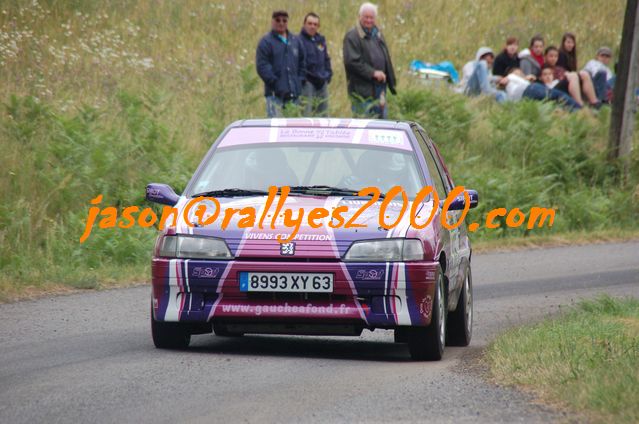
<point x="575" y="238"/>
<point x="586" y="360"/>
<point x="40" y="284"/>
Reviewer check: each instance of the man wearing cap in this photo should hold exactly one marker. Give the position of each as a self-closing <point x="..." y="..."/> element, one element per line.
<point x="318" y="67"/>
<point x="478" y="78"/>
<point x="602" y="76"/>
<point x="281" y="64"/>
<point x="369" y="70"/>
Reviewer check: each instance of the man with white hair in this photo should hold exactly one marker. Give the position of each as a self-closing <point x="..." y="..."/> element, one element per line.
<point x="369" y="70"/>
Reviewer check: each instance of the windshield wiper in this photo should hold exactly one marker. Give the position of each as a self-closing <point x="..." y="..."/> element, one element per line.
<point x="231" y="192"/>
<point x="324" y="190"/>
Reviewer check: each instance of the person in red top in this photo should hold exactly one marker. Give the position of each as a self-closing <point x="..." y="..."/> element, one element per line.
<point x="532" y="59"/>
<point x="568" y="60"/>
<point x="537" y="49"/>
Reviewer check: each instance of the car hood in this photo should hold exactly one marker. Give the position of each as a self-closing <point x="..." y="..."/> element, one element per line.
<point x="323" y="242"/>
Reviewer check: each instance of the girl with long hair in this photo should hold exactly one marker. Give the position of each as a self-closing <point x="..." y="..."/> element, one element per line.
<point x="568" y="60"/>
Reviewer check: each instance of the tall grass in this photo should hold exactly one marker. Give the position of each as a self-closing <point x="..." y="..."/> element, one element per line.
<point x="201" y="54"/>
<point x="103" y="97"/>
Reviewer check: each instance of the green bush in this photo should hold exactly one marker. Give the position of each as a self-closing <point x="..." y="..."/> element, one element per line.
<point x="527" y="154"/>
<point x="58" y="162"/>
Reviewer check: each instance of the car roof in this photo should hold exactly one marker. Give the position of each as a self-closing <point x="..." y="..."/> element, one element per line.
<point x="324" y="123"/>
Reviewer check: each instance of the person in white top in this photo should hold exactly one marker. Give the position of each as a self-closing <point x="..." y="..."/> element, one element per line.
<point x="477" y="77"/>
<point x="602" y="76"/>
<point x="518" y="87"/>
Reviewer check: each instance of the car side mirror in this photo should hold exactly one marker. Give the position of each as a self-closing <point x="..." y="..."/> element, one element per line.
<point x="161" y="193"/>
<point x="458" y="203"/>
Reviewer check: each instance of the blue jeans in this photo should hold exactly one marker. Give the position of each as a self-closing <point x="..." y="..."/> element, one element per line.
<point x="315" y="101"/>
<point x="275" y="106"/>
<point x="602" y="86"/>
<point x="371" y="107"/>
<point x="538" y="91"/>
<point x="480" y="84"/>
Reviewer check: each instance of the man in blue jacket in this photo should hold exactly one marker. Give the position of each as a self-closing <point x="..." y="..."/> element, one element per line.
<point x="281" y="65"/>
<point x="318" y="67"/>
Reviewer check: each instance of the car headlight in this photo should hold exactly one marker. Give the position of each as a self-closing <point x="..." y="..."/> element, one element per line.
<point x="194" y="247"/>
<point x="389" y="250"/>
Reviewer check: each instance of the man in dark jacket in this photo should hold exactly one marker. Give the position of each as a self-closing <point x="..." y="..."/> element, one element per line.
<point x="369" y="69"/>
<point x="318" y="67"/>
<point x="281" y="65"/>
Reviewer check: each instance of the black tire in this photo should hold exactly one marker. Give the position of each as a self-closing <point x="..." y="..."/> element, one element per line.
<point x="427" y="343"/>
<point x="221" y="331"/>
<point x="460" y="321"/>
<point x="169" y="335"/>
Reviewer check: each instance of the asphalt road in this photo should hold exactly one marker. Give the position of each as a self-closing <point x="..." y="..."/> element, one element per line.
<point x="89" y="357"/>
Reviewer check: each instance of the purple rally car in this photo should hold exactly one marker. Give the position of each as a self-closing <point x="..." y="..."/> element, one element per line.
<point x="328" y="279"/>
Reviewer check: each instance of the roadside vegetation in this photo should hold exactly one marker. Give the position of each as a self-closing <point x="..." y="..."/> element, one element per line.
<point x="587" y="360"/>
<point x="102" y="98"/>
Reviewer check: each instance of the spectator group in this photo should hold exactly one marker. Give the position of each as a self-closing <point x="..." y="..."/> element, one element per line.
<point x="540" y="72"/>
<point x="296" y="69"/>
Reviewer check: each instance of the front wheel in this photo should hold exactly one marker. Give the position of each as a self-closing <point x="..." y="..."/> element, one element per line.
<point x="460" y="321"/>
<point x="427" y="343"/>
<point x="169" y="335"/>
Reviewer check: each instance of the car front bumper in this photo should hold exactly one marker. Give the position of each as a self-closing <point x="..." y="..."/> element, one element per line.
<point x="368" y="295"/>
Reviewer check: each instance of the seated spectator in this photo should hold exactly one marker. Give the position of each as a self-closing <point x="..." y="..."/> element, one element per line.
<point x="602" y="76"/>
<point x="507" y="59"/>
<point x="531" y="60"/>
<point x="568" y="52"/>
<point x="547" y="77"/>
<point x="518" y="87"/>
<point x="573" y="85"/>
<point x="477" y="76"/>
<point x="568" y="82"/>
<point x="568" y="60"/>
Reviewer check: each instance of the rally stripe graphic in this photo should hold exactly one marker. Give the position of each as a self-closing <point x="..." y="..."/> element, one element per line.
<point x="180" y="281"/>
<point x="171" y="313"/>
<point x="403" y="317"/>
<point x="329" y="204"/>
<point x="222" y="280"/>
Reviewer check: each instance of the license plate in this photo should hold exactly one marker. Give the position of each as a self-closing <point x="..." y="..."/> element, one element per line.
<point x="302" y="282"/>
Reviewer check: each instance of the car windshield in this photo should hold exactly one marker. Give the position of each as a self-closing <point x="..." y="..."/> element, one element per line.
<point x="255" y="167"/>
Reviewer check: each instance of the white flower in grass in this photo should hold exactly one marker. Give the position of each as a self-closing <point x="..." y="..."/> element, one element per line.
<point x="147" y="63"/>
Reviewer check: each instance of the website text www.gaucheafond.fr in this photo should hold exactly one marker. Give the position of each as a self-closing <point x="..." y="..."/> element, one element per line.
<point x="308" y="309"/>
<point x="537" y="217"/>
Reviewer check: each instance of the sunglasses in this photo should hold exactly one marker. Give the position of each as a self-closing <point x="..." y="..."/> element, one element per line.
<point x="284" y="20"/>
